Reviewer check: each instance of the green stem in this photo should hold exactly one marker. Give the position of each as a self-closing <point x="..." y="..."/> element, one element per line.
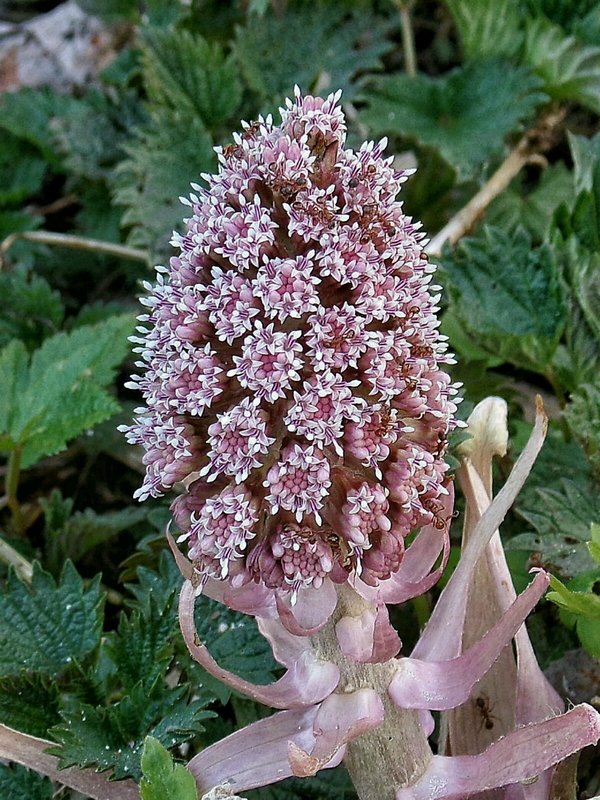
<point x="408" y="37"/>
<point x="75" y="243"/>
<point x="13" y="472"/>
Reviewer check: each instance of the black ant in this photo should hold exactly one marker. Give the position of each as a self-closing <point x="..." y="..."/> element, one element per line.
<point x="483" y="705"/>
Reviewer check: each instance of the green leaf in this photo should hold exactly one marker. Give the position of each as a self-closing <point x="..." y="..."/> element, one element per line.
<point x="18" y="783"/>
<point x="561" y="518"/>
<point x="586" y="157"/>
<point x="187" y="72"/>
<point x="594" y="544"/>
<point x="234" y="641"/>
<point x="566" y="13"/>
<point x="319" y="46"/>
<point x="585" y="604"/>
<point x="113" y="737"/>
<point x="31" y="309"/>
<point x="163" y="779"/>
<point x="160" y="165"/>
<point x="158" y="586"/>
<point x="570" y="71"/>
<point x="72" y="369"/>
<point x="28" y="114"/>
<point x="507" y="296"/>
<point x="90" y="135"/>
<point x="47" y="627"/>
<point x="142" y="647"/>
<point x="533" y="208"/>
<point x="22" y="170"/>
<point x="466" y="114"/>
<point x="72" y="536"/>
<point x="29" y="703"/>
<point x="583" y="417"/>
<point x="487" y="28"/>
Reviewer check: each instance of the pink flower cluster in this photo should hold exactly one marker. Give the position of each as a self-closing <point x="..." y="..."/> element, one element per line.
<point x="292" y="366"/>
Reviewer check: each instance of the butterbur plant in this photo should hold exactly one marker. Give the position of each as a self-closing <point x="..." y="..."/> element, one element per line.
<point x="294" y="382"/>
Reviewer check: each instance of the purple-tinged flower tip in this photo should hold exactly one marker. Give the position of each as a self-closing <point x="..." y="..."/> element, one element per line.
<point x="519" y="757"/>
<point x="292" y="367"/>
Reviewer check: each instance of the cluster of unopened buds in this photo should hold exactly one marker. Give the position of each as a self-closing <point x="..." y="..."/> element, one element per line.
<point x="293" y="373"/>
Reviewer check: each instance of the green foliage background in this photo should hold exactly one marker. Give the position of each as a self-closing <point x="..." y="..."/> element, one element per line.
<point x="90" y="654"/>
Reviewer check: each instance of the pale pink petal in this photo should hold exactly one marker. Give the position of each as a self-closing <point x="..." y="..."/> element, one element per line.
<point x="368" y="638"/>
<point x="307" y="681"/>
<point x="257" y="755"/>
<point x="341" y="718"/>
<point x="441" y="685"/>
<point x="287" y="648"/>
<point x="311" y="610"/>
<point x="520" y="756"/>
<point x="443" y="634"/>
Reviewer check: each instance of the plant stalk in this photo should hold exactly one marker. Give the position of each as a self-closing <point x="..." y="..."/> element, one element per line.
<point x="396" y="753"/>
<point x="535" y="141"/>
<point x="408" y="37"/>
<point x="75" y="243"/>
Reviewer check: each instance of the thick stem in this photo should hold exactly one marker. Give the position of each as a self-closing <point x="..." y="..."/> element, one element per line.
<point x="397" y="752"/>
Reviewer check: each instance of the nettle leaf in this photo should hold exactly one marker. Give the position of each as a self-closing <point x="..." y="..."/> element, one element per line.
<point x="586" y="156"/>
<point x="142" y="647"/>
<point x="72" y="368"/>
<point x="234" y="641"/>
<point x="534" y="209"/>
<point x="487" y="28"/>
<point x="466" y="115"/>
<point x="570" y="70"/>
<point x="563" y="12"/>
<point x="163" y="160"/>
<point x="113" y="737"/>
<point x="27" y="114"/>
<point x="507" y="296"/>
<point x="561" y="518"/>
<point x="185" y="71"/>
<point x="72" y="536"/>
<point x="320" y="47"/>
<point x="18" y="783"/>
<point x="47" y="627"/>
<point x="163" y="779"/>
<point x="583" y="416"/>
<point x="29" y="703"/>
<point x="90" y="135"/>
<point x="158" y="586"/>
<point x="31" y="309"/>
<point x="578" y="360"/>
<point x="22" y="170"/>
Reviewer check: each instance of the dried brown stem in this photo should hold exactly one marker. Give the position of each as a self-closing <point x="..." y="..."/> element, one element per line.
<point x="29" y="751"/>
<point x="538" y="139"/>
